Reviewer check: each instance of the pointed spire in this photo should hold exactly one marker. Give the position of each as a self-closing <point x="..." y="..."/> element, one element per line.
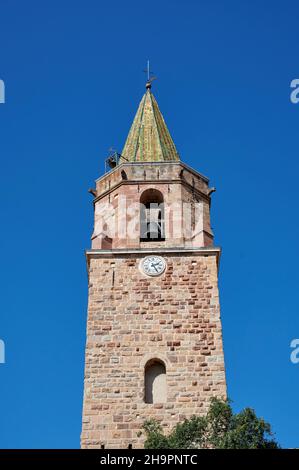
<point x="149" y="139"/>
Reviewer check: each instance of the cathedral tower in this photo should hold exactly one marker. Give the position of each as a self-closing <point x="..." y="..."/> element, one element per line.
<point x="154" y="340"/>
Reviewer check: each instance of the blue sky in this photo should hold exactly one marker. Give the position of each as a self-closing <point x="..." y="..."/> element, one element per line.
<point x="73" y="76"/>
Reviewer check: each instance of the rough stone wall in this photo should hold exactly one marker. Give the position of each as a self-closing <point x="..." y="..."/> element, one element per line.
<point x="142" y="172"/>
<point x="133" y="318"/>
<point x="120" y="214"/>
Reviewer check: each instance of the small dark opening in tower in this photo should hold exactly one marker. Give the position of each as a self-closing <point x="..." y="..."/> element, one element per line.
<point x="130" y="446"/>
<point x="152" y="216"/>
<point x="102" y="446"/>
<point x="124" y="175"/>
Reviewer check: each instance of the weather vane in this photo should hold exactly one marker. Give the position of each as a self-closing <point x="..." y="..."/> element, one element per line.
<point x="150" y="75"/>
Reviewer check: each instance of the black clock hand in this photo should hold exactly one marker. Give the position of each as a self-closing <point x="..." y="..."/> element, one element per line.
<point x="154" y="265"/>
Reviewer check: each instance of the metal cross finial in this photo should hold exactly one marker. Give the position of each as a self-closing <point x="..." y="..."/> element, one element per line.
<point x="150" y="76"/>
<point x="148" y="70"/>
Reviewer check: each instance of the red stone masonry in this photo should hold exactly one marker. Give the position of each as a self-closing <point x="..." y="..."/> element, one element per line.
<point x="179" y="185"/>
<point x="132" y="318"/>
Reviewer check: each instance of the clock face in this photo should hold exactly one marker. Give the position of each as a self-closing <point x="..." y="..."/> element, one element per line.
<point x="153" y="265"/>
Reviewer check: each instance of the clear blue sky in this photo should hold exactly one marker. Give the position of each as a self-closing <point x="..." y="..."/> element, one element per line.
<point x="73" y="75"/>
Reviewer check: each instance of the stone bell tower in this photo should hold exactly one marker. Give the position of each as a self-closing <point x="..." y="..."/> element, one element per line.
<point x="154" y="341"/>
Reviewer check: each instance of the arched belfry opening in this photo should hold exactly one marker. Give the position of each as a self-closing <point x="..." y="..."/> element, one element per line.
<point x="152" y="215"/>
<point x="155" y="386"/>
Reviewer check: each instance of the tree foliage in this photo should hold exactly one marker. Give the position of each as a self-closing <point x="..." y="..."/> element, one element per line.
<point x="219" y="429"/>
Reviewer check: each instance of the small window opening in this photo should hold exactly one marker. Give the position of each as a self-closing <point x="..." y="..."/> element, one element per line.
<point x="155" y="382"/>
<point x="152" y="216"/>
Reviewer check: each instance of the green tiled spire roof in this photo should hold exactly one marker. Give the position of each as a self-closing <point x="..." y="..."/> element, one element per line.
<point x="149" y="139"/>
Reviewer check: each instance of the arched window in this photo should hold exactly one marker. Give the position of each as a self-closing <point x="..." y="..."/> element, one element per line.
<point x="155" y="389"/>
<point x="123" y="175"/>
<point x="152" y="216"/>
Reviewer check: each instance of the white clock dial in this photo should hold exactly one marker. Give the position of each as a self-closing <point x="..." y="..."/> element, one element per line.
<point x="153" y="265"/>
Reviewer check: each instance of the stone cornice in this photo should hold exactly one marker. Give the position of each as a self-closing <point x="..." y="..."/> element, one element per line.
<point x="178" y="163"/>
